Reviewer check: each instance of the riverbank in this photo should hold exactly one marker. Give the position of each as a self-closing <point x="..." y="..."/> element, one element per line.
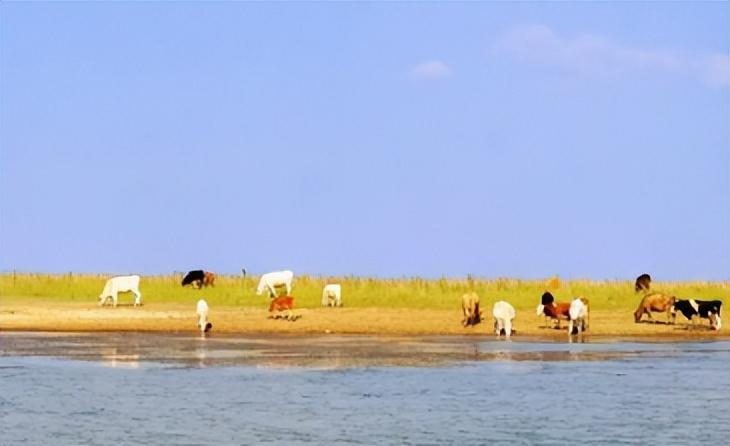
<point x="34" y="314"/>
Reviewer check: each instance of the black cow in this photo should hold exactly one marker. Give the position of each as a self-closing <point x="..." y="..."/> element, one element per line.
<point x="194" y="278"/>
<point x="642" y="283"/>
<point x="705" y="309"/>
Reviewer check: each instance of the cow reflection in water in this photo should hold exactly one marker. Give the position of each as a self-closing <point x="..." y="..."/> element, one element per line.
<point x="111" y="357"/>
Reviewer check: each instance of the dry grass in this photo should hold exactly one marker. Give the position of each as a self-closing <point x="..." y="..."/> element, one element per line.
<point x="374" y="306"/>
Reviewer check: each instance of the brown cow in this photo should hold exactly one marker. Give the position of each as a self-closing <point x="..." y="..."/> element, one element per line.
<point x="208" y="278"/>
<point x="470" y="308"/>
<point x="282" y="306"/>
<point x="557" y="311"/>
<point x="656" y="302"/>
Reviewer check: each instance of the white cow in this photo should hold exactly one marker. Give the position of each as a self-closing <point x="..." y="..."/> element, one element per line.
<point x="274" y="279"/>
<point x="503" y="314"/>
<point x="578" y="315"/>
<point x="332" y="295"/>
<point x="121" y="284"/>
<point x="202" y="311"/>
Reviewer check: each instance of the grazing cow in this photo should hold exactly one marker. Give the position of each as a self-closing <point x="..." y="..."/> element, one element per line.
<point x="553" y="311"/>
<point x="121" y="284"/>
<point x="503" y="314"/>
<point x="658" y="303"/>
<point x="202" y="311"/>
<point x="705" y="309"/>
<point x="282" y="307"/>
<point x="643" y="282"/>
<point x="470" y="308"/>
<point x="332" y="295"/>
<point x="275" y="279"/>
<point x="194" y="278"/>
<point x="579" y="316"/>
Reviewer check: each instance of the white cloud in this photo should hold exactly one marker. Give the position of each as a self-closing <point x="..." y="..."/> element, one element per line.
<point x="590" y="54"/>
<point x="432" y="69"/>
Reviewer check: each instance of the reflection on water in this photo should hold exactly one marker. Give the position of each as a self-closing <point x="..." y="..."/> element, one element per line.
<point x="323" y="352"/>
<point x="175" y="389"/>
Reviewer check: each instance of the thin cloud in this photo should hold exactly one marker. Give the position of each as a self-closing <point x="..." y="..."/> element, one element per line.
<point x="590" y="54"/>
<point x="432" y="70"/>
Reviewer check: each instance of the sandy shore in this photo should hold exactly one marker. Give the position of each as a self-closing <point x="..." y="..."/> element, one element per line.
<point x="29" y="315"/>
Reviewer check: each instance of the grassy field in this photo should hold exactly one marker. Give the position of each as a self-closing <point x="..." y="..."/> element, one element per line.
<point x="357" y="292"/>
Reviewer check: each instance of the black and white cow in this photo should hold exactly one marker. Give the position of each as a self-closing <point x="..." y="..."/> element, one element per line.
<point x="194" y="278"/>
<point x="705" y="309"/>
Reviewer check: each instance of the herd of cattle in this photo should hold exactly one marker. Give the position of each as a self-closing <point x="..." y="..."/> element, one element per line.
<point x="575" y="312"/>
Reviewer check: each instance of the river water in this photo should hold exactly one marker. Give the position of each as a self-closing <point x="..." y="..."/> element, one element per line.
<point x="155" y="389"/>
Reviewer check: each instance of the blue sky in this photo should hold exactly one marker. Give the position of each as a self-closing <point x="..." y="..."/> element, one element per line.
<point x="522" y="139"/>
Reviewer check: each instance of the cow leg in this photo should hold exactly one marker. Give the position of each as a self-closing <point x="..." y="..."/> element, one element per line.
<point x="137" y="298"/>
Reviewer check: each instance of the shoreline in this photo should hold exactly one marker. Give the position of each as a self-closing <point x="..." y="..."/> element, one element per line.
<point x="44" y="316"/>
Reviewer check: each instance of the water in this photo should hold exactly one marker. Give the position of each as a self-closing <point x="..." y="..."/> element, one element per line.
<point x="167" y="389"/>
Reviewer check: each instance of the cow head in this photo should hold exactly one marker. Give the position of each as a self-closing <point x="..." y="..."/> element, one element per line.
<point x="637" y="314"/>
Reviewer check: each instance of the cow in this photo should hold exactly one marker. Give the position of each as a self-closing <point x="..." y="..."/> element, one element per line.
<point x="470" y="309"/>
<point x="658" y="303"/>
<point x="208" y="279"/>
<point x="546" y="299"/>
<point x="121" y="284"/>
<point x="643" y="283"/>
<point x="332" y="295"/>
<point x="503" y="314"/>
<point x="579" y="313"/>
<point x="275" y="279"/>
<point x="202" y="310"/>
<point x="194" y="278"/>
<point x="553" y="311"/>
<point x="282" y="307"/>
<point x="705" y="309"/>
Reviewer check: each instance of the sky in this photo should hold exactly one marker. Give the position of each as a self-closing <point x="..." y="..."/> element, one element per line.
<point x="583" y="139"/>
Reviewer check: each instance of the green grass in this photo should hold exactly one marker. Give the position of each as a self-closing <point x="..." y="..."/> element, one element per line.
<point x="358" y="292"/>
